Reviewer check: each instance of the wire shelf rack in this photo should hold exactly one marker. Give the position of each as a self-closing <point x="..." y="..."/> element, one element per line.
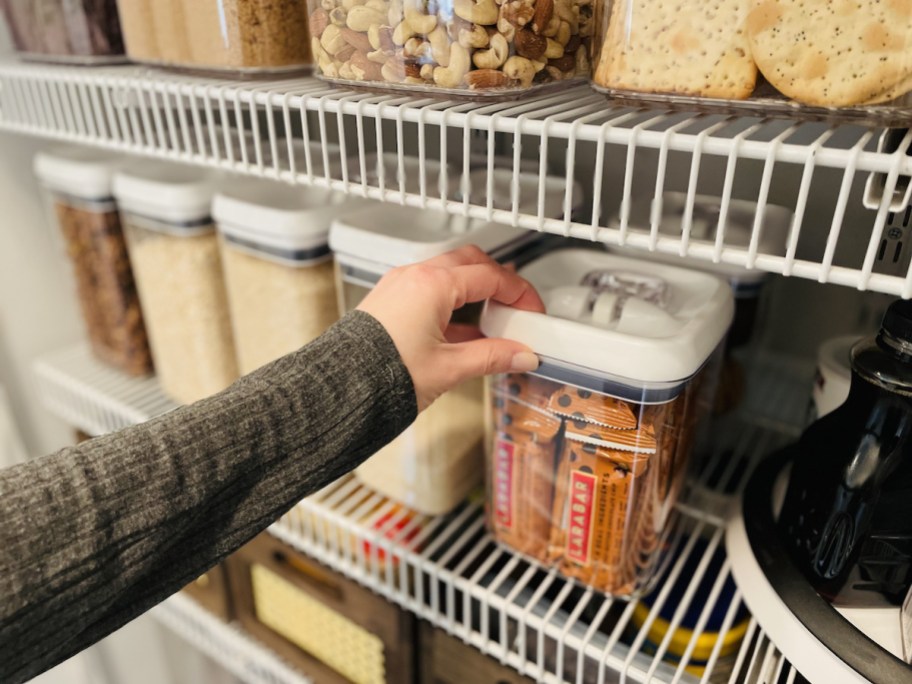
<point x="228" y="645"/>
<point x="449" y="571"/>
<point x="847" y="186"/>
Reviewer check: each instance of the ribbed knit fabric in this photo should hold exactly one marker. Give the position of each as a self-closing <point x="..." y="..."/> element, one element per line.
<point x="94" y="535"/>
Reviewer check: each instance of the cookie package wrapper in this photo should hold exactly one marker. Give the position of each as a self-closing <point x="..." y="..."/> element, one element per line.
<point x="586" y="458"/>
<point x="438" y="461"/>
<point x="821" y="60"/>
<point x="469" y="48"/>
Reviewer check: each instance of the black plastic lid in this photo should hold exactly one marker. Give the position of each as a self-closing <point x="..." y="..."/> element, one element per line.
<point x="897" y="321"/>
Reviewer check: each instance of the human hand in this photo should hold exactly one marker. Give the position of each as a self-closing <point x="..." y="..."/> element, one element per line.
<point x="415" y="304"/>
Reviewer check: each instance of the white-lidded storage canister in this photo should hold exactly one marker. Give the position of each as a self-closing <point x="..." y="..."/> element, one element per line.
<point x="166" y="211"/>
<point x="586" y="455"/>
<point x="277" y="263"/>
<point x="741" y="216"/>
<point x="77" y="183"/>
<point x="434" y="464"/>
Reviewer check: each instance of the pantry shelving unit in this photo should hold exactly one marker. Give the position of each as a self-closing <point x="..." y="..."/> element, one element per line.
<point x="448" y="570"/>
<point x="250" y="127"/>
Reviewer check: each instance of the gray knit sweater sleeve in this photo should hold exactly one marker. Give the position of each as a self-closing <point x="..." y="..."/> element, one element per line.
<point x="94" y="535"/>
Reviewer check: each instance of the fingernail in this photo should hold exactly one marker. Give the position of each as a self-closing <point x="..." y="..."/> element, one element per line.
<point x="523" y="362"/>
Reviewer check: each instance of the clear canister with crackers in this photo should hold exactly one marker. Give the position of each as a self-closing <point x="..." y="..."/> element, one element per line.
<point x="483" y="48"/>
<point x="780" y="57"/>
<point x="586" y="456"/>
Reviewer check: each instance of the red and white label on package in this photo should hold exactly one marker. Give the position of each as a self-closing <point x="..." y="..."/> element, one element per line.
<point x="579" y="520"/>
<point x="503" y="483"/>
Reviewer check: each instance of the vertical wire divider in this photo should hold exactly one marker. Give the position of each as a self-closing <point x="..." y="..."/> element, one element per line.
<point x="845" y="189"/>
<point x="546" y="620"/>
<point x="728" y="183"/>
<point x="685" y="603"/>
<point x="184" y="123"/>
<point x="696" y="159"/>
<point x="155" y="129"/>
<point x="807" y="176"/>
<point x="509" y="602"/>
<point x="173" y="150"/>
<point x="523" y="623"/>
<point x="661" y="598"/>
<point x="598" y="171"/>
<point x="570" y="169"/>
<point x="628" y="176"/>
<point x="763" y="195"/>
<point x="253" y="108"/>
<point x="490" y="592"/>
<point x="897" y="159"/>
<point x="589" y="635"/>
<point x="197" y="125"/>
<point x="726" y="625"/>
<point x="655" y="207"/>
<point x="608" y="652"/>
<point x="569" y="623"/>
<point x="465" y="177"/>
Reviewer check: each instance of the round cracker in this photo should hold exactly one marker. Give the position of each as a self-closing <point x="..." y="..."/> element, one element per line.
<point x="833" y="53"/>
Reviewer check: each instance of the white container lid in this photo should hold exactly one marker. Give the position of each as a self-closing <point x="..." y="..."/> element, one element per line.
<point x="283" y="221"/>
<point x="385" y="236"/>
<point x="739" y="224"/>
<point x="527" y="185"/>
<point x="170" y="193"/>
<point x="660" y="340"/>
<point x="78" y="171"/>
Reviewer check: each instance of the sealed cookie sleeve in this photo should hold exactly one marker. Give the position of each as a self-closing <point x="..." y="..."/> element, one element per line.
<point x="525" y="439"/>
<point x="586" y="458"/>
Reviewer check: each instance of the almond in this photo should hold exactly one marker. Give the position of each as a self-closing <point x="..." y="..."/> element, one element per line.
<point x="481" y="79"/>
<point x="544" y="10"/>
<point x="573" y="44"/>
<point x="364" y="69"/>
<point x="319" y="20"/>
<point x="412" y="69"/>
<point x="357" y="40"/>
<point x="529" y="45"/>
<point x="386" y="39"/>
<point x="344" y="54"/>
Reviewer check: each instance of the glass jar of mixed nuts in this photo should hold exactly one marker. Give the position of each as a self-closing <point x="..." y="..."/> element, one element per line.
<point x="479" y="47"/>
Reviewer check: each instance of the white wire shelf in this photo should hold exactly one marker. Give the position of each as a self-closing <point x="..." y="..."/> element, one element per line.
<point x="824" y="173"/>
<point x="227" y="644"/>
<point x="449" y="571"/>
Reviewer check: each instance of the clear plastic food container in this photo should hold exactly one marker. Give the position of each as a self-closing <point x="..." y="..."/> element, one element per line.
<point x="278" y="267"/>
<point x="759" y="57"/>
<point x="78" y="184"/>
<point x="479" y="48"/>
<point x="175" y="253"/>
<point x="65" y="30"/>
<point x="239" y="36"/>
<point x="434" y="464"/>
<point x="587" y="455"/>
<point x="747" y="284"/>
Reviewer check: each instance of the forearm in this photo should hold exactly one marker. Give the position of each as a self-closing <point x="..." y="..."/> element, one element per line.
<point x="94" y="535"/>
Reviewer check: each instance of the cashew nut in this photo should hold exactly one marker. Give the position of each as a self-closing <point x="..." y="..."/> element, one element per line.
<point x="420" y="22"/>
<point x="440" y="46"/>
<point x="538" y="65"/>
<point x="506" y="29"/>
<point x="495" y="56"/>
<point x="378" y="5"/>
<point x="554" y="50"/>
<point x="482" y="12"/>
<point x="394" y="13"/>
<point x="520" y="69"/>
<point x="373" y="36"/>
<point x="474" y="37"/>
<point x="346" y="72"/>
<point x="332" y="40"/>
<point x="402" y="33"/>
<point x="415" y="47"/>
<point x="348" y="4"/>
<point x="563" y="33"/>
<point x="361" y="18"/>
<point x="427" y="72"/>
<point x="451" y="76"/>
<point x="392" y="70"/>
<point x="378" y="56"/>
<point x="552" y="28"/>
<point x="328" y="5"/>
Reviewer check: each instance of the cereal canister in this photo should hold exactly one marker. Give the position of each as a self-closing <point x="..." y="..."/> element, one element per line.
<point x="587" y="455"/>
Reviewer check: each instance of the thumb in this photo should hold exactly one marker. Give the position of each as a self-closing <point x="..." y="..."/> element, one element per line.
<point x="490" y="356"/>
